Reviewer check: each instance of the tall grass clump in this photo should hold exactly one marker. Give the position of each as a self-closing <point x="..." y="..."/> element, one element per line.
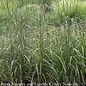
<point x="30" y="14"/>
<point x="59" y="56"/>
<point x="32" y="49"/>
<point x="65" y="10"/>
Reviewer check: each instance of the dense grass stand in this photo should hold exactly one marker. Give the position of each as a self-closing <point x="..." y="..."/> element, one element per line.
<point x="43" y="42"/>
